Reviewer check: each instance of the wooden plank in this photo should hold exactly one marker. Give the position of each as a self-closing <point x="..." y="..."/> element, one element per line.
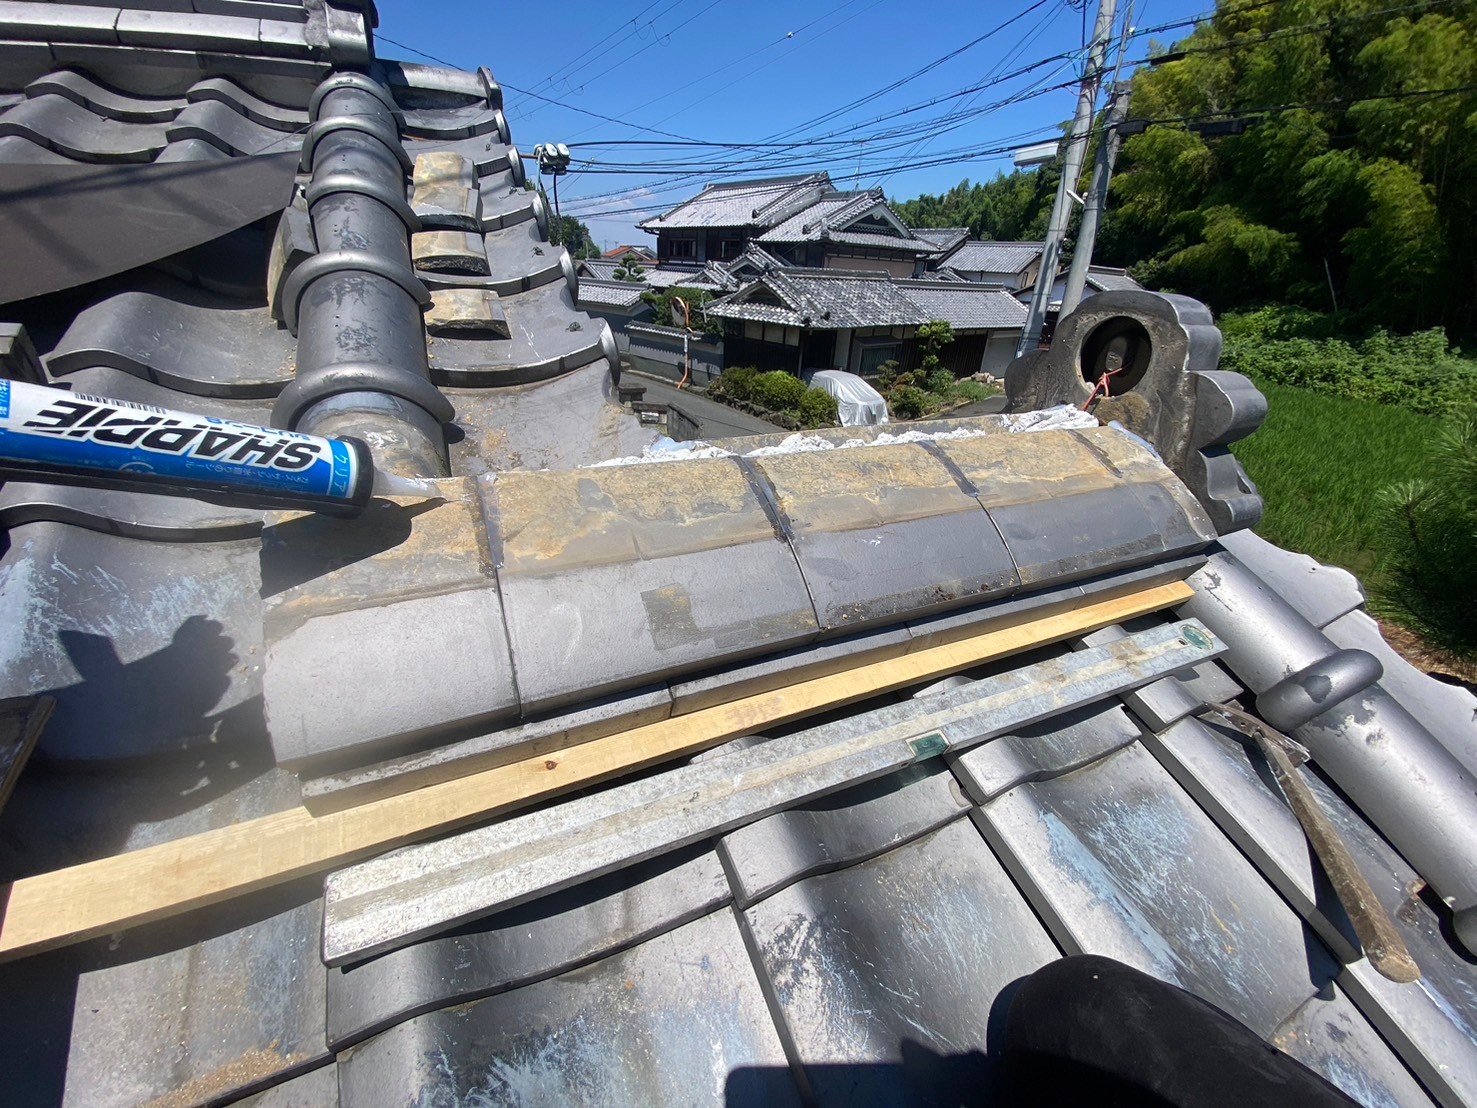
<point x="22" y="719"/>
<point x="110" y="894"/>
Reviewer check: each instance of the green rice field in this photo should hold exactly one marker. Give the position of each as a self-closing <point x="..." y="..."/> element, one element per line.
<point x="1319" y="460"/>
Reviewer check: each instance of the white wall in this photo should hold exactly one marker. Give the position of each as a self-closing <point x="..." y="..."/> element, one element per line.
<point x="999" y="351"/>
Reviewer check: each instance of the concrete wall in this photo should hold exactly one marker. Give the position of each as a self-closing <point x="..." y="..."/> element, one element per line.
<point x="618" y="319"/>
<point x="658" y="351"/>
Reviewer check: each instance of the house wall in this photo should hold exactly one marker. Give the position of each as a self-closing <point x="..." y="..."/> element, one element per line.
<point x="1011" y="280"/>
<point x="898" y="267"/>
<point x="708" y="244"/>
<point x="739" y="350"/>
<point x="964" y="355"/>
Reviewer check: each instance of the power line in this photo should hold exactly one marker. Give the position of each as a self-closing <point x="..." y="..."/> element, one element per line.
<point x="526" y="92"/>
<point x="787" y="37"/>
<point x="769" y="163"/>
<point x="924" y="140"/>
<point x="899" y="83"/>
<point x="1003" y="150"/>
<point x="549" y="81"/>
<point x="665" y="38"/>
<point x="941" y="125"/>
<point x="922" y="106"/>
<point x="688" y="106"/>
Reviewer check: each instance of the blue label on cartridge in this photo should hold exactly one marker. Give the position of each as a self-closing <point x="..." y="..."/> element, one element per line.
<point x="48" y="427"/>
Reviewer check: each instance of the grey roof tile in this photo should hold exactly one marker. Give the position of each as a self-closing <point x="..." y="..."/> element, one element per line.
<point x="943" y="239"/>
<point x="825" y="221"/>
<point x="832" y="299"/>
<point x="663" y="1022"/>
<point x="68" y="128"/>
<point x="734" y="203"/>
<point x="825" y="298"/>
<point x="993" y="257"/>
<point x="966" y="307"/>
<point x="615" y="294"/>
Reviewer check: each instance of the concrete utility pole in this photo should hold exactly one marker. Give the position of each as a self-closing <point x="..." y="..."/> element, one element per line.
<point x="1097" y="198"/>
<point x="1061" y="211"/>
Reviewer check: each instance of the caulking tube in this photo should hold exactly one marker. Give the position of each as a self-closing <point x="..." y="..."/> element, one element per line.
<point x="61" y="437"/>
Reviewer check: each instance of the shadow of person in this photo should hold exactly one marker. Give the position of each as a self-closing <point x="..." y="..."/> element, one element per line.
<point x="154" y="705"/>
<point x="132" y="744"/>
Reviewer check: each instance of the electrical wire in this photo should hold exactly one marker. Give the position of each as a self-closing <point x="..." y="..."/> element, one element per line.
<point x="870" y="139"/>
<point x="1007" y="150"/>
<point x="787" y="37"/>
<point x="564" y="71"/>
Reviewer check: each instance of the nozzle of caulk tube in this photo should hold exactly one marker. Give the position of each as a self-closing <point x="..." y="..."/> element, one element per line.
<point x="392" y="484"/>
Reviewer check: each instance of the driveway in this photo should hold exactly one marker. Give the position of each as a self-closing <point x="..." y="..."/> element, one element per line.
<point x="714" y="420"/>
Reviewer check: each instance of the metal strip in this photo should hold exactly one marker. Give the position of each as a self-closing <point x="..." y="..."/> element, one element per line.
<point x="387" y="902"/>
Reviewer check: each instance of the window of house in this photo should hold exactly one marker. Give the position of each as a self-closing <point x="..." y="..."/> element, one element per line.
<point x="682" y="248"/>
<point x="728" y="249"/>
<point x="874" y="354"/>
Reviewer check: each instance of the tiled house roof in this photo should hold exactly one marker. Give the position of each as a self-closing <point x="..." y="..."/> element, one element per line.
<point x="1107" y="279"/>
<point x="827" y="299"/>
<point x="739" y="203"/>
<point x="213" y="666"/>
<point x="966" y="307"/>
<point x="615" y="294"/>
<point x="824" y="299"/>
<point x="993" y="257"/>
<point x="943" y="239"/>
<point x="827" y="221"/>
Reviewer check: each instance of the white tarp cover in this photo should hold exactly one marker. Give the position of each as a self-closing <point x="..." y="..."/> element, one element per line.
<point x="859" y="404"/>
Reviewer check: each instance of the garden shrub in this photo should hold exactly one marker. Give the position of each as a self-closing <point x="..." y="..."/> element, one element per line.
<point x="777" y="390"/>
<point x="971" y="390"/>
<point x="734" y="383"/>
<point x="818" y="409"/>
<point x="1421" y="372"/>
<point x="908" y="402"/>
<point x="940" y="382"/>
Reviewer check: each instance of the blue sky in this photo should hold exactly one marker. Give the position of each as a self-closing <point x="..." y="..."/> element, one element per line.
<point x="839" y="81"/>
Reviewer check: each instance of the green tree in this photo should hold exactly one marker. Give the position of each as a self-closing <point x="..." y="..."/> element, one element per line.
<point x="574" y="236"/>
<point x="934" y="336"/>
<point x="1430" y="566"/>
<point x="1011" y="207"/>
<point x="661" y="306"/>
<point x="1356" y="178"/>
<point x="629" y="269"/>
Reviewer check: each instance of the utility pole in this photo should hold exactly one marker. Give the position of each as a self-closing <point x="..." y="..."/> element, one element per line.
<point x="1061" y="211"/>
<point x="1097" y="198"/>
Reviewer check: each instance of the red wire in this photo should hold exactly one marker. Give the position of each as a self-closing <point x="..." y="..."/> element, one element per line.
<point x="1101" y="386"/>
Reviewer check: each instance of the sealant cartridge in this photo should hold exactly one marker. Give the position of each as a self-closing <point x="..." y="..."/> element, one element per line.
<point x="60" y="437"/>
